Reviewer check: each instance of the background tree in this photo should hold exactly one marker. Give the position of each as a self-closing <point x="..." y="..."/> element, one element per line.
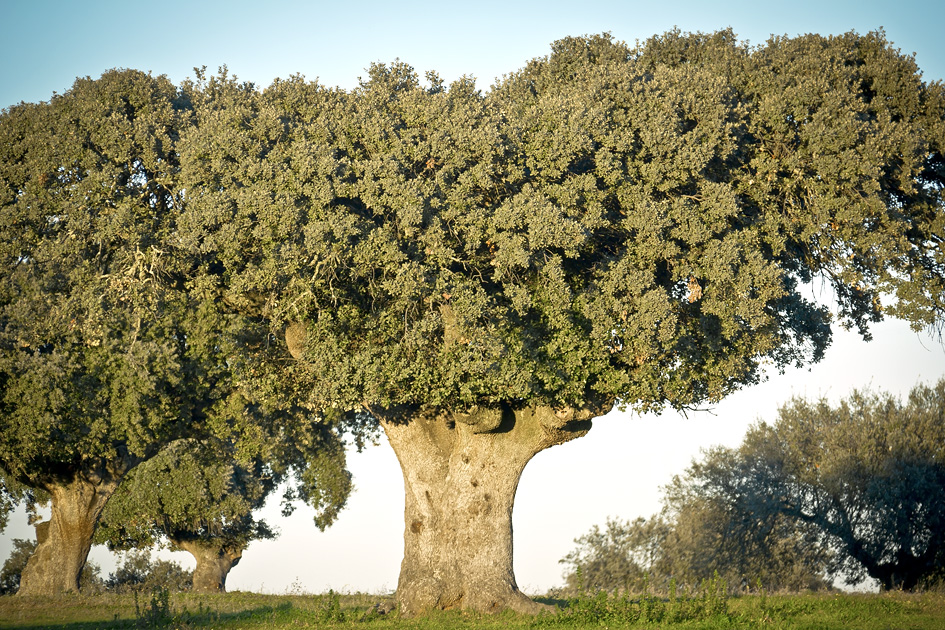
<point x="14" y="565"/>
<point x="710" y="535"/>
<point x="692" y="540"/>
<point x="864" y="478"/>
<point x="485" y="273"/>
<point x="201" y="498"/>
<point x="110" y="347"/>
<point x="196" y="500"/>
<point x="853" y="490"/>
<point x="621" y="558"/>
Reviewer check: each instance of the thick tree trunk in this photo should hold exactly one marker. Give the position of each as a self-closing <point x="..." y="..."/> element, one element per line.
<point x="214" y="561"/>
<point x="63" y="542"/>
<point x="461" y="471"/>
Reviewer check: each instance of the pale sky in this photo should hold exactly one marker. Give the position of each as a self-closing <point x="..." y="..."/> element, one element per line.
<point x="618" y="468"/>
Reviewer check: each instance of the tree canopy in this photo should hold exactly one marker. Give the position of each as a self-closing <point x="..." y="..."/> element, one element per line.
<point x="94" y="327"/>
<point x="698" y="537"/>
<point x="849" y="491"/>
<point x="198" y="496"/>
<point x="613" y="223"/>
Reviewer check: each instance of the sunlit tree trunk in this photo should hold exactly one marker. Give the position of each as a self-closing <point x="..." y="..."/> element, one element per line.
<point x="461" y="472"/>
<point x="63" y="542"/>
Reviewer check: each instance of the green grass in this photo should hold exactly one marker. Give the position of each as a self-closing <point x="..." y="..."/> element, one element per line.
<point x="186" y="611"/>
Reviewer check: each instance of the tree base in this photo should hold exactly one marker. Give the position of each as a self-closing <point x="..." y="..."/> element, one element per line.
<point x="214" y="562"/>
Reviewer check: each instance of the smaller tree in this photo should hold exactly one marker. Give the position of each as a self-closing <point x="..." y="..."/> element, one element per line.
<point x="14" y="565"/>
<point x="690" y="541"/>
<point x="855" y="490"/>
<point x="711" y="535"/>
<point x="200" y="497"/>
<point x="619" y="557"/>
<point x="194" y="499"/>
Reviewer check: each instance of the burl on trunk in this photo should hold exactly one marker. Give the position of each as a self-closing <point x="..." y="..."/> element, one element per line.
<point x="461" y="471"/>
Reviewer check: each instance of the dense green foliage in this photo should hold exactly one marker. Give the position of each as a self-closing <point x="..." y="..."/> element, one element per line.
<point x="14" y="564"/>
<point x="606" y="223"/>
<point x="112" y="342"/>
<point x="709" y="536"/>
<point x="138" y="572"/>
<point x="201" y="491"/>
<point x="106" y="355"/>
<point x="189" y="490"/>
<point x="694" y="540"/>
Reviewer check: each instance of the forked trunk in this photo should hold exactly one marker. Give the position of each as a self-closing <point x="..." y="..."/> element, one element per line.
<point x="461" y="471"/>
<point x="214" y="561"/>
<point x="63" y="542"/>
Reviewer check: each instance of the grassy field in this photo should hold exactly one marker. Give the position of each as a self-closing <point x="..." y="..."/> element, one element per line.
<point x="891" y="611"/>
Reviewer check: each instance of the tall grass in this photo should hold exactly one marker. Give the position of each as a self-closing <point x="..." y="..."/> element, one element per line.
<point x="710" y="602"/>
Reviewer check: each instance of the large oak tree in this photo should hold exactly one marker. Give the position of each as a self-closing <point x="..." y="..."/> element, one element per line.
<point x="486" y="273"/>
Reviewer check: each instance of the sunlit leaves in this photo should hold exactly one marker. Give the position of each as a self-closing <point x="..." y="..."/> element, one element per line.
<point x="630" y="223"/>
<point x="111" y="342"/>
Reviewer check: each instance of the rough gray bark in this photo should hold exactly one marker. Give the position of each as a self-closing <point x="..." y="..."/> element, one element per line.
<point x="214" y="561"/>
<point x="64" y="541"/>
<point x="461" y="471"/>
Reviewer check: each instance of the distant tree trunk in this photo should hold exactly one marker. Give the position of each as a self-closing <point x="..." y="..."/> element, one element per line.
<point x="461" y="471"/>
<point x="906" y="573"/>
<point x="64" y="541"/>
<point x="214" y="561"/>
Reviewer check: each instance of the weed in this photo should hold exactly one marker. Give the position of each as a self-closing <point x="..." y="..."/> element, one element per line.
<point x="295" y="588"/>
<point x="329" y="608"/>
<point x="156" y="614"/>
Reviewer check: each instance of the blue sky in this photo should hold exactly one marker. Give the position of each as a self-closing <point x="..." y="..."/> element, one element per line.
<point x="46" y="44"/>
<point x="618" y="468"/>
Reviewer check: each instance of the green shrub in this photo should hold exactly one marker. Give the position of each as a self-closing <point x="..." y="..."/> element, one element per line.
<point x="139" y="573"/>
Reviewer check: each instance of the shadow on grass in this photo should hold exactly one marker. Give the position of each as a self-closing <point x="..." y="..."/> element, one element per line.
<point x="557" y="602"/>
<point x="201" y="617"/>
